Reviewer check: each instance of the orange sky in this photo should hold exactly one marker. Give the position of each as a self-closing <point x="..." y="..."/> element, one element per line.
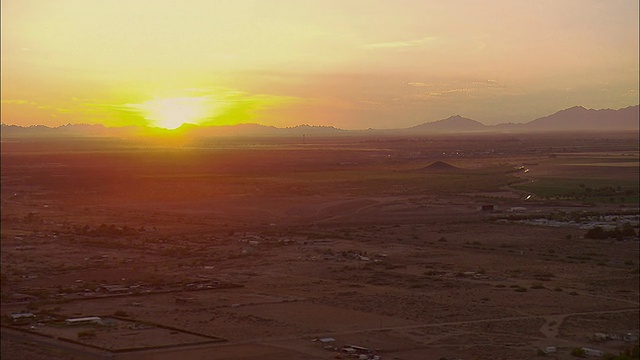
<point x="352" y="64"/>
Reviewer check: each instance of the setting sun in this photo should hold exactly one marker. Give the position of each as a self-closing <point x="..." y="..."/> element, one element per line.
<point x="353" y="65"/>
<point x="171" y="113"/>
<point x="287" y="179"/>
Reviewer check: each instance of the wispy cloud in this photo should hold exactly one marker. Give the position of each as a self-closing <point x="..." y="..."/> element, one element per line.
<point x="17" y="102"/>
<point x="33" y="104"/>
<point x="438" y="88"/>
<point x="400" y="44"/>
<point x="430" y="89"/>
<point x="419" y="84"/>
<point x="449" y="91"/>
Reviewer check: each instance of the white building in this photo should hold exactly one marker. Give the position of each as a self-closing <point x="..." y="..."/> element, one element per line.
<point x="83" y="320"/>
<point x="592" y="352"/>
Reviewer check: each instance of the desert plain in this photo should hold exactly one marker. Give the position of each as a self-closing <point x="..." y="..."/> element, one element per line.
<point x="471" y="246"/>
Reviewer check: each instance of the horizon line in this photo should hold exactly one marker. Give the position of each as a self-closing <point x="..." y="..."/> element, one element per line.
<point x="186" y="125"/>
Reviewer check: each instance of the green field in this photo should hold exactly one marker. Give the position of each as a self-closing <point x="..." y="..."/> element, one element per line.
<point x="588" y="190"/>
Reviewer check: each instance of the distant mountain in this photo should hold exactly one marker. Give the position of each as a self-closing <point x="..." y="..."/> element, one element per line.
<point x="455" y="123"/>
<point x="576" y="118"/>
<point x="28" y="131"/>
<point x="312" y="129"/>
<point x="581" y="119"/>
<point x="190" y="130"/>
<point x="82" y="129"/>
<point x="261" y="130"/>
<point x="573" y="119"/>
<point x="70" y="130"/>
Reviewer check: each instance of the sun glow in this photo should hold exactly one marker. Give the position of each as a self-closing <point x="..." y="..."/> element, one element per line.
<point x="171" y="113"/>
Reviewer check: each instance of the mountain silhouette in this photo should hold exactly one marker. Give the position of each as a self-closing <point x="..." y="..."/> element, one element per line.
<point x="454" y="123"/>
<point x="579" y="118"/>
<point x="575" y="119"/>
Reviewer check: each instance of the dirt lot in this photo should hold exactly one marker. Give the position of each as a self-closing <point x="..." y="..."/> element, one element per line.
<point x="269" y="244"/>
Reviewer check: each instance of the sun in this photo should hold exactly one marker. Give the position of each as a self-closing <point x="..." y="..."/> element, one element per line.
<point x="171" y="113"/>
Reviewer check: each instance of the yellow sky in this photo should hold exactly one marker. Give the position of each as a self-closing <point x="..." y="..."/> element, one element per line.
<point x="352" y="64"/>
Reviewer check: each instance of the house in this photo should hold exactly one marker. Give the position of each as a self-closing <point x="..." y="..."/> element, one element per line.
<point x="592" y="352"/>
<point x="600" y="337"/>
<point x="21" y="316"/>
<point x="83" y="320"/>
<point x="327" y="340"/>
<point x="348" y="350"/>
<point x="360" y="349"/>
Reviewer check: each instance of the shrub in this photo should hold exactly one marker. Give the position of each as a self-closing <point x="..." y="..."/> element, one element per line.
<point x="618" y="233"/>
<point x="579" y="352"/>
<point x="84" y="334"/>
<point x="541" y="352"/>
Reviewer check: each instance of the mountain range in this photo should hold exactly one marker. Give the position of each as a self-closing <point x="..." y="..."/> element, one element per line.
<point x="575" y="119"/>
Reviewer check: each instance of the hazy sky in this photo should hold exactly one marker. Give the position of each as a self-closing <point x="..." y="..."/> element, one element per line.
<point x="348" y="63"/>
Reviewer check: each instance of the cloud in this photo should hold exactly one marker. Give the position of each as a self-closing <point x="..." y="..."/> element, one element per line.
<point x="438" y="88"/>
<point x="419" y="84"/>
<point x="400" y="44"/>
<point x="18" y="102"/>
<point x="449" y="91"/>
<point x="631" y="93"/>
<point x="33" y="104"/>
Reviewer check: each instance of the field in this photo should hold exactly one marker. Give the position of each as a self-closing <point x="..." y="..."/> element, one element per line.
<point x="465" y="246"/>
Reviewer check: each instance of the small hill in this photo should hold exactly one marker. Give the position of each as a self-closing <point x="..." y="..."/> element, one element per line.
<point x="440" y="166"/>
<point x="455" y="123"/>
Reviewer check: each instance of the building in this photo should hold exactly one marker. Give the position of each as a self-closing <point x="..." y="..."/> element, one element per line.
<point x="83" y="320"/>
<point x="22" y="316"/>
<point x="592" y="352"/>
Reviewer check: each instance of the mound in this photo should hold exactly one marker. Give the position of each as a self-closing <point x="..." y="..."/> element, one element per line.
<point x="440" y="166"/>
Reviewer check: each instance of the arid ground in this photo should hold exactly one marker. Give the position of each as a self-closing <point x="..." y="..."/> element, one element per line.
<point x="469" y="246"/>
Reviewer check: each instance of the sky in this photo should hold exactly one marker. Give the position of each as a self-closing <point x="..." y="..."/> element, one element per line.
<point x="352" y="64"/>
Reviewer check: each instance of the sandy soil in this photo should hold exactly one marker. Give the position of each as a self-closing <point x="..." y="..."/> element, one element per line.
<point x="302" y="243"/>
